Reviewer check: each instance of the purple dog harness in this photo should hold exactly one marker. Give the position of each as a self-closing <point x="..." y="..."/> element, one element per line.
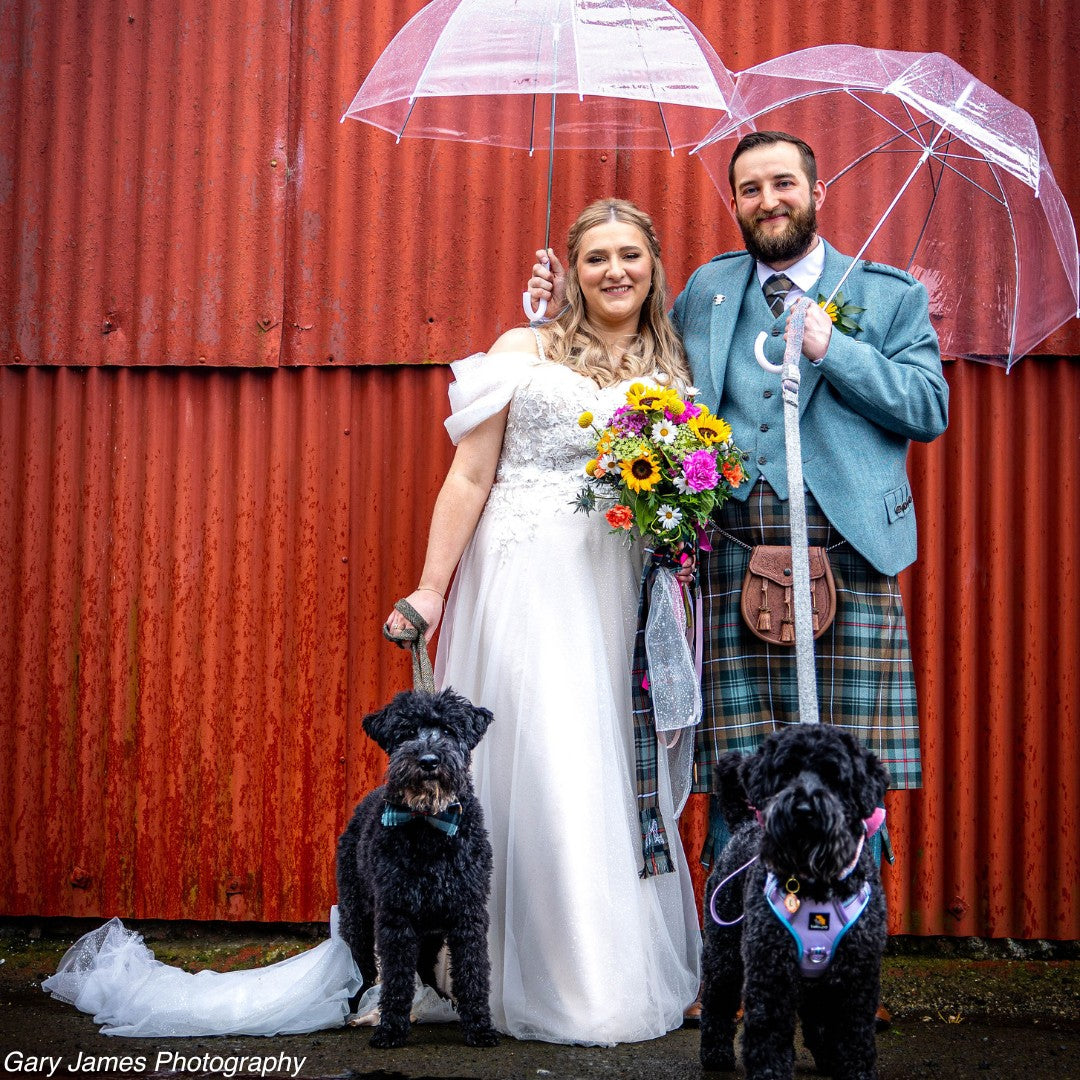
<point x="816" y="928"/>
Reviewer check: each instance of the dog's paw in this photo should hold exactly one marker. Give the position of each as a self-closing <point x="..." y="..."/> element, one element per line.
<point x="384" y="1038"/>
<point x="481" y="1037"/>
<point x="718" y="1058"/>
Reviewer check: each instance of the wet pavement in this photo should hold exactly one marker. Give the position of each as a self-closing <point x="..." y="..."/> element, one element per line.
<point x="983" y="1015"/>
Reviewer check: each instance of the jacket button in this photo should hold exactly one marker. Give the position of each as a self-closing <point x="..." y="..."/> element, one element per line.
<point x="764" y="427"/>
<point x="768" y="394"/>
<point x="761" y="460"/>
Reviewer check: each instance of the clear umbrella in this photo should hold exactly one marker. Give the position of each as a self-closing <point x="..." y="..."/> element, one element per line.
<point x="577" y="74"/>
<point x="930" y="170"/>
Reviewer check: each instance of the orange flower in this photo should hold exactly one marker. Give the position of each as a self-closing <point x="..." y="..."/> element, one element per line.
<point x="733" y="473"/>
<point x="620" y="517"/>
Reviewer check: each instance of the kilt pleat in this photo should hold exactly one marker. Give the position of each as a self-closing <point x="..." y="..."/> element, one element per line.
<point x="866" y="680"/>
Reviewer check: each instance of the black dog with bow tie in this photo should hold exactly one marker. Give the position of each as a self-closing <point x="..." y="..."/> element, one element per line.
<point x="414" y="864"/>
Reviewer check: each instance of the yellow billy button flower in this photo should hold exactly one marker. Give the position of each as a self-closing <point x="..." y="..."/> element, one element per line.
<point x="590" y="467"/>
<point x="585" y="419"/>
<point x="640" y="473"/>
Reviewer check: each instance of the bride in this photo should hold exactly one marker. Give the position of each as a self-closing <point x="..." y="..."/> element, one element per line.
<point x="539" y="629"/>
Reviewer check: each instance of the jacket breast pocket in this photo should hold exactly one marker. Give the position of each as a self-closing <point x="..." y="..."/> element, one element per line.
<point x="898" y="502"/>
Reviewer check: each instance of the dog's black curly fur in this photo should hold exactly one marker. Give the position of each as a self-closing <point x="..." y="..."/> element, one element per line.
<point x="405" y="890"/>
<point x="812" y="786"/>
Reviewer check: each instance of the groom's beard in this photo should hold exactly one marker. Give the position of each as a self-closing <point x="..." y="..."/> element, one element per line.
<point x="784" y="246"/>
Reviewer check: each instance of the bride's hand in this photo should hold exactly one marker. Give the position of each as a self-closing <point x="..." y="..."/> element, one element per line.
<point x="429" y="606"/>
<point x="687" y="569"/>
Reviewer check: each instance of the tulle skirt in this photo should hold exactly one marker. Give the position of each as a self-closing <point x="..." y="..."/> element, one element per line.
<point x="113" y="975"/>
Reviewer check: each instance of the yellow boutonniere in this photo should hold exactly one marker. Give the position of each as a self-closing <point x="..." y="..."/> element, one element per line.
<point x="841" y="313"/>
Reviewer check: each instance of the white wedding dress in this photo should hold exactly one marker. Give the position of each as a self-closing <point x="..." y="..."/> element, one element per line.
<point x="111" y="974"/>
<point x="539" y="629"/>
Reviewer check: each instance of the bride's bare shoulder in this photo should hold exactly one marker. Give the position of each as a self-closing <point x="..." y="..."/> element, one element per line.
<point x="520" y="340"/>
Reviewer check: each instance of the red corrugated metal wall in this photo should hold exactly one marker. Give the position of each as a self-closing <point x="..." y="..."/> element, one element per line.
<point x="215" y="472"/>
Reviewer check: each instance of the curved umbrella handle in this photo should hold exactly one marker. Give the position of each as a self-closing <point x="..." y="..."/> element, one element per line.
<point x="759" y="352"/>
<point x="533" y="314"/>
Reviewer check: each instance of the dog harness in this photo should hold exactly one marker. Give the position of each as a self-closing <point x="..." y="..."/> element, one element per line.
<point x="446" y="821"/>
<point x="816" y="928"/>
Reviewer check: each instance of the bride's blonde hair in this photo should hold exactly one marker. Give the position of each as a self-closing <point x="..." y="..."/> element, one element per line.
<point x="570" y="338"/>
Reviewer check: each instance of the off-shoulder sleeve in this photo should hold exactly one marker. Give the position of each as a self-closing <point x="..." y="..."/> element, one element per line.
<point x="483" y="384"/>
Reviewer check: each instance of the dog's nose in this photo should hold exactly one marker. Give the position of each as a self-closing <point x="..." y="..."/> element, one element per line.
<point x="428" y="762"/>
<point x="802" y="807"/>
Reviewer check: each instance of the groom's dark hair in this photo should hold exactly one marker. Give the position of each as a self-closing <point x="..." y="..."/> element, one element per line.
<point x="770" y="138"/>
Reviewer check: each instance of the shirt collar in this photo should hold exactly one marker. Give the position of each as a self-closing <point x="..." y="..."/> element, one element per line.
<point x="804" y="274"/>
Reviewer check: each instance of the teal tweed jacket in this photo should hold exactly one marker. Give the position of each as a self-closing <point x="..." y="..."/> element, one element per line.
<point x="860" y="407"/>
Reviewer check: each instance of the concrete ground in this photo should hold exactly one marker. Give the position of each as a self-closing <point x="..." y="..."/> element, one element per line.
<point x="968" y="1010"/>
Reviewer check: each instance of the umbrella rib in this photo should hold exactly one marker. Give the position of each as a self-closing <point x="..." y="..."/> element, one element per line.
<point x="1015" y="321"/>
<point x="648" y="72"/>
<point x="936" y="184"/>
<point x="881" y="148"/>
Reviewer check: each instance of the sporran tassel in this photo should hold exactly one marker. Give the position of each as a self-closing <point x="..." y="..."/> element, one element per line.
<point x="764" y="619"/>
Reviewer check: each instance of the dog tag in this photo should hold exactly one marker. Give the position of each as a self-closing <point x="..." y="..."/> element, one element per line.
<point x="791" y="902"/>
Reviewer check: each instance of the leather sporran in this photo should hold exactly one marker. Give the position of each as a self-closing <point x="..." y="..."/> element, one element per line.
<point x="768" y="593"/>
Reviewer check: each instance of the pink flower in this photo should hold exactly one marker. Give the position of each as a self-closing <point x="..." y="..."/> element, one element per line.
<point x="681" y="418"/>
<point x="699" y="470"/>
<point x="628" y="422"/>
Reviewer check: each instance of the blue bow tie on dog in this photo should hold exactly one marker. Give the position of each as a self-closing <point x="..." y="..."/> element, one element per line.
<point x="446" y="821"/>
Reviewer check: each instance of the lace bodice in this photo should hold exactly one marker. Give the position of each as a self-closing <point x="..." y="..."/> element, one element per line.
<point x="543" y="439"/>
<point x="544" y="452"/>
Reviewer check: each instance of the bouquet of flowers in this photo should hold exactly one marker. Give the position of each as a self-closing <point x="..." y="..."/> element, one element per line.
<point x="663" y="463"/>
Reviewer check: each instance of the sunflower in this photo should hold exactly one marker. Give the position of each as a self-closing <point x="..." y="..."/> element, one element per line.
<point x="709" y="429"/>
<point x="640" y="473"/>
<point x="643" y="398"/>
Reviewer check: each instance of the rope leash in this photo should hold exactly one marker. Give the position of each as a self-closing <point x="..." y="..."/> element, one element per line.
<point x="412" y="638"/>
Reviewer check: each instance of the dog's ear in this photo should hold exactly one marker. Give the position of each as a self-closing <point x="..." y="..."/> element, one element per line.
<point x="476" y="723"/>
<point x="381" y="725"/>
<point x="728" y="790"/>
<point x="469" y="721"/>
<point x="754" y="773"/>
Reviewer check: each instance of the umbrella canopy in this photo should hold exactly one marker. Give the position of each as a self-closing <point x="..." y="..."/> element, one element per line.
<point x="930" y="170"/>
<point x="637" y="74"/>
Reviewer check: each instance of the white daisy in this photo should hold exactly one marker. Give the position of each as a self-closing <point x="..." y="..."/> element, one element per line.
<point x="663" y="431"/>
<point x="680" y="484"/>
<point x="668" y="517"/>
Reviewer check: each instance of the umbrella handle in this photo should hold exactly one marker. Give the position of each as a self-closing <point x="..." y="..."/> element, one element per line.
<point x="536" y="314"/>
<point x="533" y="314"/>
<point x="759" y="352"/>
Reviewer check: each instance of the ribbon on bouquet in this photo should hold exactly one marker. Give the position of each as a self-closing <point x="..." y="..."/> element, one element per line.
<point x="666" y="693"/>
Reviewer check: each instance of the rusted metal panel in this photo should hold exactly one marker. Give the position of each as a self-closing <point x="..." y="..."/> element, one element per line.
<point x="194" y="570"/>
<point x="175" y="185"/>
<point x="143" y="174"/>
<point x="194" y="566"/>
<point x="184" y="654"/>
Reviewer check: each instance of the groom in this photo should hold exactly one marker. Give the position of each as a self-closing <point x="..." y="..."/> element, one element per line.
<point x="863" y="398"/>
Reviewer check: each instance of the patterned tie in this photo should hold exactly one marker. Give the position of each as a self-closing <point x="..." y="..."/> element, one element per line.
<point x="775" y="289"/>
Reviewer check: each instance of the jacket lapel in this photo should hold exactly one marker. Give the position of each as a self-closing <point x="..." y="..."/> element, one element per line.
<point x="726" y="304"/>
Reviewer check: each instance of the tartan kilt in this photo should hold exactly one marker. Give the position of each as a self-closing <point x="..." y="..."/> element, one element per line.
<point x="865" y="677"/>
